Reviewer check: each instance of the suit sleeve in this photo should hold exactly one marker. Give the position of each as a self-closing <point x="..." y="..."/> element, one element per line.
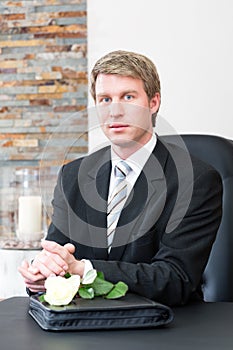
<point x="59" y="228"/>
<point x="175" y="271"/>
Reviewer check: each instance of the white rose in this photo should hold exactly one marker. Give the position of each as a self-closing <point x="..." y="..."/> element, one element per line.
<point x="61" y="290"/>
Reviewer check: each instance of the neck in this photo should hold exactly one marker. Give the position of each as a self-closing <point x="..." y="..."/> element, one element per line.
<point x="124" y="151"/>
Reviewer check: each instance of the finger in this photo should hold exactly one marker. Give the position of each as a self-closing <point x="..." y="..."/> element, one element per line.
<point x="30" y="276"/>
<point x="30" y="267"/>
<point x="70" y="247"/>
<point x="33" y="269"/>
<point x="48" y="266"/>
<point x="36" y="283"/>
<point x="58" y="260"/>
<point x="35" y="287"/>
<point x="25" y="264"/>
<point x="51" y="246"/>
<point x="77" y="268"/>
<point x="50" y="263"/>
<point x="26" y="270"/>
<point x="55" y="248"/>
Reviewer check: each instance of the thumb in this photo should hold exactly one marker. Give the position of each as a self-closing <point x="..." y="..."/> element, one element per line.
<point x="70" y="247"/>
<point x="25" y="264"/>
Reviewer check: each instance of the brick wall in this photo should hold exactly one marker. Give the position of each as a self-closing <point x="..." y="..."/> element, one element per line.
<point x="43" y="85"/>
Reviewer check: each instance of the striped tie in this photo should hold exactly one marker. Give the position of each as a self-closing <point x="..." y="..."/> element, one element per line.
<point x="117" y="199"/>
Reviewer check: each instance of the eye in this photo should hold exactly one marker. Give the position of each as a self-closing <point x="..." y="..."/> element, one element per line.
<point x="128" y="97"/>
<point x="105" y="100"/>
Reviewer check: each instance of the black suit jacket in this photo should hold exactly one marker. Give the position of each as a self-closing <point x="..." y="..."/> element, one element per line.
<point x="165" y="231"/>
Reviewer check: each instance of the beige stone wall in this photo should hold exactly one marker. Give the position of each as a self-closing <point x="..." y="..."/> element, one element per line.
<point x="43" y="86"/>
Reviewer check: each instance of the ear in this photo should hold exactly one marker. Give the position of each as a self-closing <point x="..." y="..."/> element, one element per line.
<point x="155" y="103"/>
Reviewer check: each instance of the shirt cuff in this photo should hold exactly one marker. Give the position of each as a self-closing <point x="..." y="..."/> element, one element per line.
<point x="87" y="266"/>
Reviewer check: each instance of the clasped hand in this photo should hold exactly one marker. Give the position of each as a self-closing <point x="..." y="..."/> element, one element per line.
<point x="53" y="260"/>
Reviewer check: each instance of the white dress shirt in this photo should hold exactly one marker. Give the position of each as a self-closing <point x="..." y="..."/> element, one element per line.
<point x="136" y="161"/>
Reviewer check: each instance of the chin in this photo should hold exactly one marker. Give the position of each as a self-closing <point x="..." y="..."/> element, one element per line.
<point x="124" y="143"/>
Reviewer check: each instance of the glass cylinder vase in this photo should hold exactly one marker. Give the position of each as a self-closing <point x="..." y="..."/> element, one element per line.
<point x="30" y="218"/>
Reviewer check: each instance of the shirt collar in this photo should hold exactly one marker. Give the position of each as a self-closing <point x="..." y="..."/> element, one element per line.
<point x="138" y="159"/>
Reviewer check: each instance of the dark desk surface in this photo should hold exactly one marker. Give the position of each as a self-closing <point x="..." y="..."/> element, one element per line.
<point x="198" y="326"/>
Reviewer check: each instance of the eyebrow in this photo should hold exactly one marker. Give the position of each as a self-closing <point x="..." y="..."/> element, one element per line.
<point x="122" y="93"/>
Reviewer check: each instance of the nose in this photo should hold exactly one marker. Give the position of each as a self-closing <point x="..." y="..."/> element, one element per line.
<point x="116" y="110"/>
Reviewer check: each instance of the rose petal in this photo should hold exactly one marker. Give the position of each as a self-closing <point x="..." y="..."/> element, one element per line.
<point x="89" y="277"/>
<point x="60" y="290"/>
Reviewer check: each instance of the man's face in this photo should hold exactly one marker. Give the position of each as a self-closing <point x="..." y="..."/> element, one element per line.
<point x="124" y="110"/>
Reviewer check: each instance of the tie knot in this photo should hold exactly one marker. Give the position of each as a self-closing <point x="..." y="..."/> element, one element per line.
<point x="122" y="169"/>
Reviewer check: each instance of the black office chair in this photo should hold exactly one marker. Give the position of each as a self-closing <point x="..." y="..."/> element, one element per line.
<point x="218" y="275"/>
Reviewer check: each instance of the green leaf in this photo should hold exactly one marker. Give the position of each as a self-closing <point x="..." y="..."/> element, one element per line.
<point x="41" y="298"/>
<point x="101" y="287"/>
<point x="86" y="293"/>
<point x="100" y="275"/>
<point x="67" y="275"/>
<point x="118" y="291"/>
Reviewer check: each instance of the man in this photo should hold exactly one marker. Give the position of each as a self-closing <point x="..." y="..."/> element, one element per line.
<point x="155" y="228"/>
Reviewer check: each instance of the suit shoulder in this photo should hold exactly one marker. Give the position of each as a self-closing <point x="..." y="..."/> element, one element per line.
<point x="74" y="165"/>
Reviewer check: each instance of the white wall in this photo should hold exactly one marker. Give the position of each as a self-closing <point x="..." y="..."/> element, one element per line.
<point x="191" y="42"/>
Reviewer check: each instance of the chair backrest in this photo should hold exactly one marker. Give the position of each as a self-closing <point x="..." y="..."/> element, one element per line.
<point x="218" y="275"/>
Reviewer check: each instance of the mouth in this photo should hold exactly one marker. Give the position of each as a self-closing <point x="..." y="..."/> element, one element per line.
<point x="117" y="126"/>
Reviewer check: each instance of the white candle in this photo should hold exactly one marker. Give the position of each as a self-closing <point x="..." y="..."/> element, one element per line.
<point x="29" y="218"/>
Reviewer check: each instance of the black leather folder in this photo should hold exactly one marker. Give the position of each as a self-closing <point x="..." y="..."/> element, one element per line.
<point x="130" y="311"/>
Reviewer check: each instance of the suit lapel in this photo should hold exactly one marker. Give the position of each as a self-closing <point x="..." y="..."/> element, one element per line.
<point x="96" y="194"/>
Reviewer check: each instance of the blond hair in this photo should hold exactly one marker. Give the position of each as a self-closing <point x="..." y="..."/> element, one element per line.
<point x="130" y="64"/>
